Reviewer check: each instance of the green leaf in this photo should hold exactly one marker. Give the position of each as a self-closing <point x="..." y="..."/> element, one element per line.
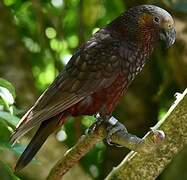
<point x="6" y="96"/>
<point x="6" y="172"/>
<point x="13" y="120"/>
<point x="9" y="86"/>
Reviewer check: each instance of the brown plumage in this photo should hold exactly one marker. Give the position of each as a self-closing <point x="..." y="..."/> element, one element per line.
<point x="97" y="74"/>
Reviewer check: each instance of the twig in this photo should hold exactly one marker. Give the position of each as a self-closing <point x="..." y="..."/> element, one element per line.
<point x="85" y="143"/>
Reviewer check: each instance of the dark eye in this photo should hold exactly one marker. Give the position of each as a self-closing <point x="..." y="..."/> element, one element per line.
<point x="169" y="26"/>
<point x="157" y="20"/>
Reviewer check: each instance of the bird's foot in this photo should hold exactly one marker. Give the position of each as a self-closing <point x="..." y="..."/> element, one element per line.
<point x="124" y="139"/>
<point x="118" y="135"/>
<point x="114" y="126"/>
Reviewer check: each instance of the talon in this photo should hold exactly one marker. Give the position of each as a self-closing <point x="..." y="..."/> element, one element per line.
<point x="152" y="142"/>
<point x="158" y="136"/>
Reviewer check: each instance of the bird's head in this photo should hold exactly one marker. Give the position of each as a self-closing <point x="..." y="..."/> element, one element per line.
<point x="146" y="22"/>
<point x="158" y="19"/>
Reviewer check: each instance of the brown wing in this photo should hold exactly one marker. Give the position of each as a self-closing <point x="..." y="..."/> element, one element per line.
<point x="93" y="67"/>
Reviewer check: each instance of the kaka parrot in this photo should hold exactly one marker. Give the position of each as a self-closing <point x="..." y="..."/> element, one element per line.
<point x="98" y="73"/>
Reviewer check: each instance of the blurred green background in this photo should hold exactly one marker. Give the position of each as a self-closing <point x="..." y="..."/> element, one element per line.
<point x="37" y="38"/>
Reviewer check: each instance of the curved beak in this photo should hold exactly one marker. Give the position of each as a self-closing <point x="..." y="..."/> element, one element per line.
<point x="168" y="37"/>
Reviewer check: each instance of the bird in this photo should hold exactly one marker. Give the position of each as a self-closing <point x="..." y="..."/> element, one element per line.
<point x="97" y="74"/>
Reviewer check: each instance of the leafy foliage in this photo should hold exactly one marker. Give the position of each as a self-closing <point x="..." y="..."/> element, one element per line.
<point x="7" y="121"/>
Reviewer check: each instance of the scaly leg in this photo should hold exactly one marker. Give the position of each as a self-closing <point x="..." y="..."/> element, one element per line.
<point x="118" y="135"/>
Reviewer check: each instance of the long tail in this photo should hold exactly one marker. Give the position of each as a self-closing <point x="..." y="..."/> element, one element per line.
<point x="45" y="129"/>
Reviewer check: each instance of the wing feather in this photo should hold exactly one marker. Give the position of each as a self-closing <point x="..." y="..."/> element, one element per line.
<point x="88" y="71"/>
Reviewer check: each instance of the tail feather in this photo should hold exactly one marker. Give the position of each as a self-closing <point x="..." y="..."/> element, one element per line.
<point x="45" y="129"/>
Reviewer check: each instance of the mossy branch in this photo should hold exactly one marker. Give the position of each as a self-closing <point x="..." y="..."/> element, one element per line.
<point x="139" y="166"/>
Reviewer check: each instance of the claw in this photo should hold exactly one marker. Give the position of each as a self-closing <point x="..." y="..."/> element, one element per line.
<point x="151" y="141"/>
<point x="158" y="136"/>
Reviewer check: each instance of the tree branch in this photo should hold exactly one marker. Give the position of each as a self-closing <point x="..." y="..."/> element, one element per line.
<point x="169" y="148"/>
<point x="139" y="166"/>
<point x="85" y="143"/>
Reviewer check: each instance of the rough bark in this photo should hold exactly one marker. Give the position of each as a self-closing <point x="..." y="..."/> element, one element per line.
<point x="139" y="166"/>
